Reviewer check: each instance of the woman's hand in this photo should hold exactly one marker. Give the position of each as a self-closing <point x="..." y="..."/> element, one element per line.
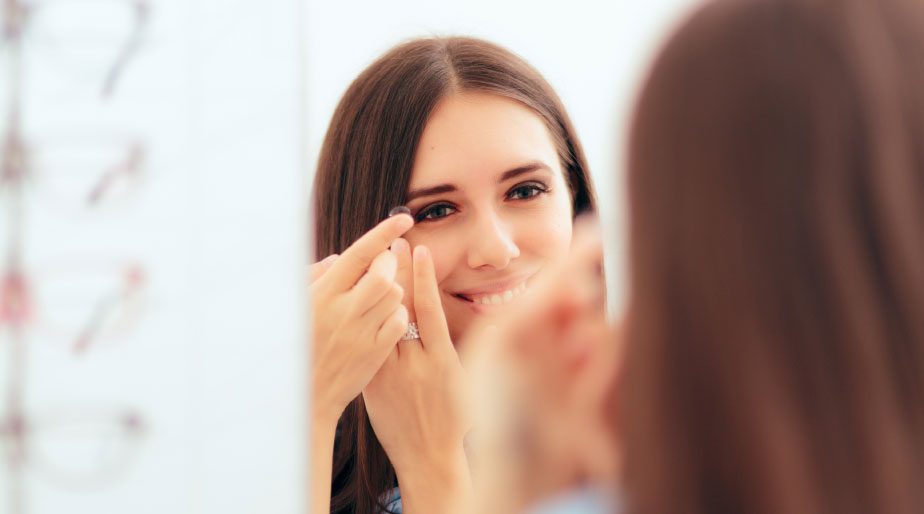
<point x="417" y="402"/>
<point x="357" y="317"/>
<point x="545" y="378"/>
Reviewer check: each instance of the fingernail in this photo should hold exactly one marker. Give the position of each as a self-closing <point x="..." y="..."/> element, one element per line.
<point x="330" y="259"/>
<point x="399" y="246"/>
<point x="399" y="210"/>
<point x="421" y="253"/>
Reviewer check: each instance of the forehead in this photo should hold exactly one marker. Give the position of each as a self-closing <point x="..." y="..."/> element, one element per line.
<point x="478" y="135"/>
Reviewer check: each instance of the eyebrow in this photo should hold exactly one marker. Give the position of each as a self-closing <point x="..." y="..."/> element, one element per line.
<point x="448" y="188"/>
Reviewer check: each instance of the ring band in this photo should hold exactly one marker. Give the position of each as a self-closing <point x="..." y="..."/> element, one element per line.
<point x="412" y="334"/>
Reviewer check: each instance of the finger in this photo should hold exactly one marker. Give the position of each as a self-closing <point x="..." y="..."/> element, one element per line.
<point x="392" y="328"/>
<point x="392" y="356"/>
<point x="586" y="243"/>
<point x="319" y="268"/>
<point x="351" y="265"/>
<point x="586" y="263"/>
<point x="431" y="321"/>
<point x="405" y="274"/>
<point x="409" y="349"/>
<point x="405" y="277"/>
<point x="374" y="285"/>
<point x="385" y="307"/>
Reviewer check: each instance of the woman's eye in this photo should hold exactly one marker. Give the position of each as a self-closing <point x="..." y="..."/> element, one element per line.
<point x="526" y="191"/>
<point x="435" y="212"/>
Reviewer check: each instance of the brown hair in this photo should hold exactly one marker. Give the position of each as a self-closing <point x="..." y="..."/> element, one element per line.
<point x="364" y="170"/>
<point x="775" y="358"/>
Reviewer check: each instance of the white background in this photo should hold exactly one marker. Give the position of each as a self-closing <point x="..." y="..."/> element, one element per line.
<point x="215" y="365"/>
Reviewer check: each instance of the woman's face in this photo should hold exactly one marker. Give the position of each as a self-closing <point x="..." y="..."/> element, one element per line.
<point x="490" y="201"/>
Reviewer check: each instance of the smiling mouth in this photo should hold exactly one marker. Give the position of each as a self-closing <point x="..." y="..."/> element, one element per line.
<point x="498" y="298"/>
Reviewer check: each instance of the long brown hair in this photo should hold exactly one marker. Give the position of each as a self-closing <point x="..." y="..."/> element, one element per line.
<point x="775" y="357"/>
<point x="364" y="170"/>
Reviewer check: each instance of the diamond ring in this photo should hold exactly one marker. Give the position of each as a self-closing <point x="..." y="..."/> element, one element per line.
<point x="412" y="334"/>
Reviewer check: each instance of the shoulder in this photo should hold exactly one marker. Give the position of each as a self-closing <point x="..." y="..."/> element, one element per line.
<point x="587" y="500"/>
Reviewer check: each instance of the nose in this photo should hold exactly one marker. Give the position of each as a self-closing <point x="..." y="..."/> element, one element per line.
<point x="492" y="244"/>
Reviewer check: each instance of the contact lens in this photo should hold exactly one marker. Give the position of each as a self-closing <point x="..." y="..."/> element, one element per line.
<point x="399" y="210"/>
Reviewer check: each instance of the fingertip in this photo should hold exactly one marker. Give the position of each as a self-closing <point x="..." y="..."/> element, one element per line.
<point x="421" y="253"/>
<point x="392" y="263"/>
<point x="400" y="246"/>
<point x="385" y="263"/>
<point x="403" y="221"/>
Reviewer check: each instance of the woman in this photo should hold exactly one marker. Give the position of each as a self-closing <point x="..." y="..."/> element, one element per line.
<point x="480" y="150"/>
<point x="775" y="335"/>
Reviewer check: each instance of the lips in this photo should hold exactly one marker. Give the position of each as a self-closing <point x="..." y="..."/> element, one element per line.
<point x="496" y="293"/>
<point x="500" y="297"/>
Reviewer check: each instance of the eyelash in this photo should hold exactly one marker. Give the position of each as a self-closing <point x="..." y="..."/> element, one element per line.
<point x="535" y="189"/>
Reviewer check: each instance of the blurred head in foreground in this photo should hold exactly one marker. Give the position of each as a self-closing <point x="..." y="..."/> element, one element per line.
<point x="775" y="358"/>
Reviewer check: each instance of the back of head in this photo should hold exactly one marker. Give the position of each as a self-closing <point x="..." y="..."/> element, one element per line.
<point x="776" y="332"/>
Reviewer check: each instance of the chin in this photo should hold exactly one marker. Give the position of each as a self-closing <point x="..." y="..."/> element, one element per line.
<point x="458" y="319"/>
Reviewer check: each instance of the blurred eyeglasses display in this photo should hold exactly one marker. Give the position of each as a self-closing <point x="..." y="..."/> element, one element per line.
<point x="75" y="305"/>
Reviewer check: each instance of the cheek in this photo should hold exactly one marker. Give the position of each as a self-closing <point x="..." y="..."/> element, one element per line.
<point x="446" y="251"/>
<point x="547" y="233"/>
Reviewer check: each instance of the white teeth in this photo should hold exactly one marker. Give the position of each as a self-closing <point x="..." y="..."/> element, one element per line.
<point x="501" y="297"/>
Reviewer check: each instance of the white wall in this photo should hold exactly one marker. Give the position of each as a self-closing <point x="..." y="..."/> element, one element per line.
<point x="592" y="52"/>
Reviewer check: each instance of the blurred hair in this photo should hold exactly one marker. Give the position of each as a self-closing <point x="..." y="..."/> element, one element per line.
<point x="364" y="170"/>
<point x="775" y="359"/>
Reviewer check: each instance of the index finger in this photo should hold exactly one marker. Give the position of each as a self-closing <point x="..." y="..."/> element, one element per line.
<point x="355" y="260"/>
